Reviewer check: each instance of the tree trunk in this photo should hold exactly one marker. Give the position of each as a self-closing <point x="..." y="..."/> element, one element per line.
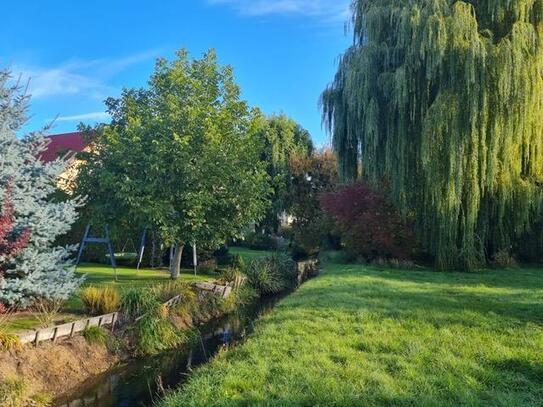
<point x="176" y="262"/>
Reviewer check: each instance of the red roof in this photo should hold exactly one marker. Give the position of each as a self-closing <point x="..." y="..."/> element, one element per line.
<point x="61" y="145"/>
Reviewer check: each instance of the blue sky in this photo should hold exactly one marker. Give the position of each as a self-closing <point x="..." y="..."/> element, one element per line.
<point x="77" y="53"/>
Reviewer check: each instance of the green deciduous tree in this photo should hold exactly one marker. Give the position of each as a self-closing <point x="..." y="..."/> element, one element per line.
<point x="180" y="157"/>
<point x="281" y="138"/>
<point x="443" y="99"/>
<point x="311" y="176"/>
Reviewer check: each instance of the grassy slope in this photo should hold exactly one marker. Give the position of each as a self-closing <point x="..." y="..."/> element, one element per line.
<point x="358" y="336"/>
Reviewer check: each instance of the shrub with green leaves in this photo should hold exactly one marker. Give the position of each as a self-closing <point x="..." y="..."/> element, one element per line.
<point x="98" y="301"/>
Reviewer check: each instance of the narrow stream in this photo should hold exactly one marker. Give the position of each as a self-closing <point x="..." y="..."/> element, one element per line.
<point x="141" y="382"/>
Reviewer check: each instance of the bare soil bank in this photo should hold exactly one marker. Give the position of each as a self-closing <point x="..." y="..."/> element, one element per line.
<point x="56" y="368"/>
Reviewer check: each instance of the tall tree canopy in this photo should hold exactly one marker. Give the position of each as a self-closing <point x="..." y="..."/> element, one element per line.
<point x="443" y="100"/>
<point x="281" y="139"/>
<point x="180" y="157"/>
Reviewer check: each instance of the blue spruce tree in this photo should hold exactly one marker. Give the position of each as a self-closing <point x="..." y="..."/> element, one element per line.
<point x="41" y="271"/>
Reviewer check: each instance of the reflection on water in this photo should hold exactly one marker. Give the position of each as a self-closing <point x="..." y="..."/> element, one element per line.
<point x="142" y="382"/>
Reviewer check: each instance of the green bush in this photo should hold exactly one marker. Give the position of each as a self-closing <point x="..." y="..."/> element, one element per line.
<point x="210" y="305"/>
<point x="258" y="241"/>
<point x="153" y="332"/>
<point x="95" y="335"/>
<point x="99" y="301"/>
<point x="189" y="297"/>
<point x="394" y="263"/>
<point x="271" y="274"/>
<point x="223" y="257"/>
<point x="238" y="262"/>
<point x="207" y="266"/>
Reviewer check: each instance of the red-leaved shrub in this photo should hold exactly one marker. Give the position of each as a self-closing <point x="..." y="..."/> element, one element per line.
<point x="370" y="225"/>
<point x="11" y="241"/>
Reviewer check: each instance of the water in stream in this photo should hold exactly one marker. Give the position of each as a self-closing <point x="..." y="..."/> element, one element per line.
<point x="141" y="382"/>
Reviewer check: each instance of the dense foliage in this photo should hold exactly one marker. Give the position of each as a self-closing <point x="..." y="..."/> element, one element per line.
<point x="443" y="100"/>
<point x="179" y="157"/>
<point x="281" y="138"/>
<point x="370" y="225"/>
<point x="40" y="270"/>
<point x="311" y="176"/>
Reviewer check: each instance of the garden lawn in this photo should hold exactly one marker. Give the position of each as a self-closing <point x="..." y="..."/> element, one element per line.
<point x="99" y="275"/>
<point x="248" y="254"/>
<point x="359" y="336"/>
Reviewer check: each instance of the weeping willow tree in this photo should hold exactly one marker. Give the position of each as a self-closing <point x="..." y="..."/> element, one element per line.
<point x="442" y="100"/>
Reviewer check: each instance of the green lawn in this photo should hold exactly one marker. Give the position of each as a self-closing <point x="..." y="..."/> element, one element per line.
<point x="99" y="275"/>
<point x="248" y="254"/>
<point x="360" y="336"/>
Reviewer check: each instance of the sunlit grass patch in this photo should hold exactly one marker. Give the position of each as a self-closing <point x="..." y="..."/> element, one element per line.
<point x="363" y="336"/>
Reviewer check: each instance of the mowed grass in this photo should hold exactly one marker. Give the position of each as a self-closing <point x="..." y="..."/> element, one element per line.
<point x="248" y="254"/>
<point x="360" y="336"/>
<point x="99" y="275"/>
<point x="102" y="275"/>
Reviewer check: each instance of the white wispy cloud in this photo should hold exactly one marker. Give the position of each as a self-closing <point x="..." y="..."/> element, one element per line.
<point x="86" y="78"/>
<point x="63" y="80"/>
<point x="332" y="10"/>
<point x="93" y="116"/>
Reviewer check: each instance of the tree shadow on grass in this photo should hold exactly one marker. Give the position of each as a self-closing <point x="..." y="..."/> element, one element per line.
<point x="443" y="304"/>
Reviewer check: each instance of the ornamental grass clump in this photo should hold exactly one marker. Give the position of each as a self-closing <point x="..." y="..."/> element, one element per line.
<point x="271" y="274"/>
<point x="99" y="301"/>
<point x="171" y="289"/>
<point x="135" y="302"/>
<point x="8" y="341"/>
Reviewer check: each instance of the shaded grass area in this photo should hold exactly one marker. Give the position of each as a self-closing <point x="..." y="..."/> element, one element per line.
<point x="362" y="336"/>
<point x="248" y="254"/>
